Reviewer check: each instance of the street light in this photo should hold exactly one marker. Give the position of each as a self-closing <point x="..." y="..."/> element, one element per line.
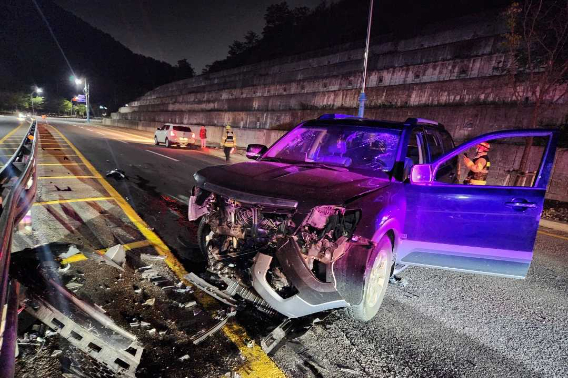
<point x="86" y="89"/>
<point x="362" y="97"/>
<point x="38" y="91"/>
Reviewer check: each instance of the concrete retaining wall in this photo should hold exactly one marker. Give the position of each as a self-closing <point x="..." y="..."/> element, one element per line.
<point x="453" y="74"/>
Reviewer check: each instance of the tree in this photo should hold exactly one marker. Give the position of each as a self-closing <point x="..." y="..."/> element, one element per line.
<point x="81" y="110"/>
<point x="10" y="101"/>
<point x="36" y="103"/>
<point x="184" y="69"/>
<point x="65" y="106"/>
<point x="537" y="42"/>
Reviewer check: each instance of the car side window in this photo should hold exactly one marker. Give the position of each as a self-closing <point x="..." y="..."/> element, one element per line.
<point x="434" y="144"/>
<point x="414" y="150"/>
<point x="447" y="141"/>
<point x="166" y="127"/>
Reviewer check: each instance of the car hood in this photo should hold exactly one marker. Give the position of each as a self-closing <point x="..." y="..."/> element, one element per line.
<point x="309" y="186"/>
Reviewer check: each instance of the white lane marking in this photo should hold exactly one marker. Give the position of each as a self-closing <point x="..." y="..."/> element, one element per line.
<point x="121" y="141"/>
<point x="167" y="157"/>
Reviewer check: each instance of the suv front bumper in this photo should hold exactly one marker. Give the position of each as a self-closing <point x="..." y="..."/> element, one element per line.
<point x="313" y="295"/>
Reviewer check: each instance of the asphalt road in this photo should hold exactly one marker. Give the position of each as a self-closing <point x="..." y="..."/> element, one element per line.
<point x="438" y="324"/>
<point x="10" y="130"/>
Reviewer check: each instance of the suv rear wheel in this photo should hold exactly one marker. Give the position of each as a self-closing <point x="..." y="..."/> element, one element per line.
<point x="168" y="144"/>
<point x="376" y="282"/>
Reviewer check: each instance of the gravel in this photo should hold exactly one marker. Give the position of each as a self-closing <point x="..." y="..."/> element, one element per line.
<point x="555" y="211"/>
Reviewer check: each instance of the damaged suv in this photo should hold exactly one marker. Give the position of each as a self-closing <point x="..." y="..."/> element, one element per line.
<point x="324" y="217"/>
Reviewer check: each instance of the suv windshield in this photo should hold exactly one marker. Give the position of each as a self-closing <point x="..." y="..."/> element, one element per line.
<point x="182" y="128"/>
<point x="353" y="147"/>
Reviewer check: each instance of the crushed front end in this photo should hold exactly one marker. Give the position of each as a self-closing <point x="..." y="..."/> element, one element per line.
<point x="272" y="254"/>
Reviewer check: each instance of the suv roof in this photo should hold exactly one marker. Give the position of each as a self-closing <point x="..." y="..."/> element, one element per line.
<point x="345" y="119"/>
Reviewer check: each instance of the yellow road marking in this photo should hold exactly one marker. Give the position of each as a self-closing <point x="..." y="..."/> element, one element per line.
<point x="57" y="202"/>
<point x="68" y="177"/>
<point x="8" y="148"/>
<point x="258" y="363"/>
<point x="553" y="235"/>
<point x="74" y="258"/>
<point x="55" y="148"/>
<point x="10" y="133"/>
<point x="60" y="164"/>
<point x="129" y="246"/>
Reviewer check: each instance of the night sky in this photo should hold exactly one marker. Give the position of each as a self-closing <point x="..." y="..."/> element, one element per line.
<point x="169" y="30"/>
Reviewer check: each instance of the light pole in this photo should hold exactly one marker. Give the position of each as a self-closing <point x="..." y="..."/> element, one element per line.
<point x="86" y="90"/>
<point x="362" y="97"/>
<point x="38" y="91"/>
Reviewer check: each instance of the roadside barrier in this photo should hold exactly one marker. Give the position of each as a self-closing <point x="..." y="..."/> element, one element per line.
<point x="18" y="183"/>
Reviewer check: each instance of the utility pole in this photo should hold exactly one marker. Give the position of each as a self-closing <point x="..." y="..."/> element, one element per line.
<point x="38" y="91"/>
<point x="87" y="100"/>
<point x="362" y="97"/>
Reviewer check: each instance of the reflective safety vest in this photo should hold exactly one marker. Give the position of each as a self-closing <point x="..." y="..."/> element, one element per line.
<point x="229" y="140"/>
<point x="479" y="178"/>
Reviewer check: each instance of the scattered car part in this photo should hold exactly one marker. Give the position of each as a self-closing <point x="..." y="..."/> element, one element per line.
<point x="119" y="353"/>
<point x="116" y="254"/>
<point x="202" y="335"/>
<point x="269" y="342"/>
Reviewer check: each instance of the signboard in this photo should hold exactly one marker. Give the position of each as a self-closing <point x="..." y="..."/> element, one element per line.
<point x="80" y="98"/>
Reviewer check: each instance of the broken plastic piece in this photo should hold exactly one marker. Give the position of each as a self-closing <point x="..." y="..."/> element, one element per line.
<point x="70" y="252"/>
<point x="116" y="254"/>
<point x="204" y="334"/>
<point x="117" y="174"/>
<point x="276" y="336"/>
<point x="150" y="302"/>
<point x="184" y="357"/>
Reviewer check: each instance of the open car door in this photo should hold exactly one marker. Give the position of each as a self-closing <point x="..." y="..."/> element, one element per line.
<point x="489" y="229"/>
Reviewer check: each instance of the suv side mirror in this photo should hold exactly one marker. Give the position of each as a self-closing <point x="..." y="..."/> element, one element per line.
<point x="255" y="151"/>
<point x="421" y="174"/>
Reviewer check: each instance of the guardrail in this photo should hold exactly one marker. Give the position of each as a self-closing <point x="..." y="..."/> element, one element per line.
<point x="18" y="183"/>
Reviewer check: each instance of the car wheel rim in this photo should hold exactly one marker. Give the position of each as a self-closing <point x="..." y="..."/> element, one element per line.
<point x="377" y="280"/>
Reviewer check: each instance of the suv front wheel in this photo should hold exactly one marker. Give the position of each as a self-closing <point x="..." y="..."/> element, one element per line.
<point x="376" y="282"/>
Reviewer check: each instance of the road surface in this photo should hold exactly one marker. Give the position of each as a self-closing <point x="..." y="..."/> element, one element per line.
<point x="434" y="324"/>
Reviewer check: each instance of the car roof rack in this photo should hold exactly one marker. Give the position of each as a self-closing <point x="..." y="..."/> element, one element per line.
<point x="337" y="116"/>
<point x="422" y="121"/>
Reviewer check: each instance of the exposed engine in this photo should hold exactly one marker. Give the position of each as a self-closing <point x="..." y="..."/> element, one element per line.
<point x="234" y="233"/>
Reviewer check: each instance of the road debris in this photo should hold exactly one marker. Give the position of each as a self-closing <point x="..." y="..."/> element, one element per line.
<point x="116" y="254"/>
<point x="117" y="174"/>
<point x="72" y="251"/>
<point x="204" y="334"/>
<point x="184" y="357"/>
<point x="274" y="338"/>
<point x="149" y="302"/>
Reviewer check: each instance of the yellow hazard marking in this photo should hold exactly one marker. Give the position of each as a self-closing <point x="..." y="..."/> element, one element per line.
<point x="74" y="258"/>
<point x="8" y="148"/>
<point x="10" y="133"/>
<point x="258" y="363"/>
<point x="553" y="235"/>
<point x="57" y="202"/>
<point x="68" y="177"/>
<point x="55" y="148"/>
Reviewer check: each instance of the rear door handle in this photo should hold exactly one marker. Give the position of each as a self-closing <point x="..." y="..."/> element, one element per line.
<point x="521" y="204"/>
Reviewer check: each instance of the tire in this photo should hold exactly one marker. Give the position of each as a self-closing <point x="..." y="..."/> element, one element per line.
<point x="168" y="145"/>
<point x="156" y="143"/>
<point x="376" y="281"/>
<point x="202" y="232"/>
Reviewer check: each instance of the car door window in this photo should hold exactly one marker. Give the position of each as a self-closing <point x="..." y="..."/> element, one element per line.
<point x="496" y="163"/>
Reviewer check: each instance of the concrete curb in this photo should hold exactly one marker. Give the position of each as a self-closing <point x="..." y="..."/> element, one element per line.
<point x="558" y="226"/>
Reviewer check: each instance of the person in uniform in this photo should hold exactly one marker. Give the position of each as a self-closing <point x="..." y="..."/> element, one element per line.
<point x="228" y="141"/>
<point x="478" y="166"/>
